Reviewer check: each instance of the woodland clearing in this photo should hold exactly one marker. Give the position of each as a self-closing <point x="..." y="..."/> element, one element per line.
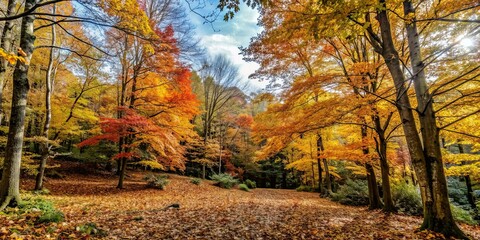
<point x="206" y="212"/>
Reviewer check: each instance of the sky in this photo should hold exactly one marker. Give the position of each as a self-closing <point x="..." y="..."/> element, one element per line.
<point x="226" y="38"/>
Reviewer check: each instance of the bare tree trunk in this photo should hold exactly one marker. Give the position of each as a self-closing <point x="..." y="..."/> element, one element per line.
<point x="327" y="178"/>
<point x="6" y="44"/>
<point x="385" y="169"/>
<point x="468" y="182"/>
<point x="9" y="186"/>
<point x="373" y="194"/>
<point x="48" y="111"/>
<point x="313" y="176"/>
<point x="437" y="214"/>
<point x="319" y="152"/>
<point x="427" y="160"/>
<point x="121" y="176"/>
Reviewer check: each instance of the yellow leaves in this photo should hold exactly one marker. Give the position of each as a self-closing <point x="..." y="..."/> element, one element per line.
<point x="11" y="57"/>
<point x="409" y="18"/>
<point x="151" y="164"/>
<point x="129" y="14"/>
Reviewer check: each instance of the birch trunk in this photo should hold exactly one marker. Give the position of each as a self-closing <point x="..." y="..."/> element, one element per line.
<point x="9" y="186"/>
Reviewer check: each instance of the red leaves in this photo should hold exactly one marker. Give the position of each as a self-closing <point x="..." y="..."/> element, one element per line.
<point x="244" y="121"/>
<point x="138" y="130"/>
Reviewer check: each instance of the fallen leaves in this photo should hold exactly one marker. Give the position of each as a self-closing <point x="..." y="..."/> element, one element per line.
<point x="206" y="212"/>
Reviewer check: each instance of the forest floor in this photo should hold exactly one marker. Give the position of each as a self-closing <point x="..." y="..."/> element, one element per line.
<point x="206" y="212"/>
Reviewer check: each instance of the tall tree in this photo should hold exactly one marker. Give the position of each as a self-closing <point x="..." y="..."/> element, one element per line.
<point x="10" y="184"/>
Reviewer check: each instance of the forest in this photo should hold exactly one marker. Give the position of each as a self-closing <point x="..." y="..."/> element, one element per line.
<point x="117" y="123"/>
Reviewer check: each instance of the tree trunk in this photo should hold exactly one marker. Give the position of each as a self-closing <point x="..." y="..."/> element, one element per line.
<point x="468" y="182"/>
<point x="373" y="194"/>
<point x="328" y="182"/>
<point x="437" y="215"/>
<point x="9" y="186"/>
<point x="319" y="152"/>
<point x="6" y="44"/>
<point x="121" y="176"/>
<point x="313" y="176"/>
<point x="470" y="197"/>
<point x="48" y="111"/>
<point x="388" y="205"/>
<point x="426" y="159"/>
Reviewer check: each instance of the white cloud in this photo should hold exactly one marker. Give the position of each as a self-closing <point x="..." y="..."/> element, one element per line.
<point x="226" y="37"/>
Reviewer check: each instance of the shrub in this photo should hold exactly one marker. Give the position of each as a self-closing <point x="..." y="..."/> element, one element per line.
<point x="91" y="229"/>
<point x="224" y="180"/>
<point x="243" y="187"/>
<point x="149" y="177"/>
<point x="51" y="216"/>
<point x="457" y="191"/>
<point x="251" y="184"/>
<point x="304" y="188"/>
<point x="46" y="210"/>
<point x="354" y="193"/>
<point x="462" y="215"/>
<point x="44" y="191"/>
<point x="476" y="194"/>
<point x="407" y="198"/>
<point x="157" y="181"/>
<point x="196" y="181"/>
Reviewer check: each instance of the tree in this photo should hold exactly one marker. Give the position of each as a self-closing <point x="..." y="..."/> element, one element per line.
<point x="9" y="186"/>
<point x="6" y="46"/>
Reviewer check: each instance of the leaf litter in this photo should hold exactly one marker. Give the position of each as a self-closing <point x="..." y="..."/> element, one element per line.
<point x="95" y="209"/>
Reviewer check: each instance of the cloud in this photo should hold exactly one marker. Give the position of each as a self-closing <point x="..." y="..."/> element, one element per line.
<point x="226" y="38"/>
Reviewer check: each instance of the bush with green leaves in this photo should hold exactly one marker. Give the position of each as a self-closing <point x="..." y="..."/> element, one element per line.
<point x="304" y="188"/>
<point x="196" y="181"/>
<point x="45" y="209"/>
<point x="224" y="180"/>
<point x="462" y="215"/>
<point x="157" y="181"/>
<point x="407" y="198"/>
<point x="353" y="192"/>
<point x="250" y="184"/>
<point x="243" y="187"/>
<point x="457" y="192"/>
<point x="91" y="229"/>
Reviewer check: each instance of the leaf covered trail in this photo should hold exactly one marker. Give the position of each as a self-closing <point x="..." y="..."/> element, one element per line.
<point x="209" y="212"/>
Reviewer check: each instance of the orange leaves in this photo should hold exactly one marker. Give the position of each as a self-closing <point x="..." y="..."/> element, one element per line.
<point x="244" y="121"/>
<point x="207" y="212"/>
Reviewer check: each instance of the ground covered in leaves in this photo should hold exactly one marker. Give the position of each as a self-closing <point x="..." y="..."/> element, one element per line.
<point x="94" y="208"/>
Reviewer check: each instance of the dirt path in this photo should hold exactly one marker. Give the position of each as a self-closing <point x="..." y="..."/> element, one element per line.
<point x="208" y="212"/>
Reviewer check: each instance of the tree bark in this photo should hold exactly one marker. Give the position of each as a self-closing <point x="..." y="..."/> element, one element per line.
<point x="9" y="186"/>
<point x="388" y="205"/>
<point x="328" y="182"/>
<point x="319" y="152"/>
<point x="48" y="111"/>
<point x="427" y="160"/>
<point x="313" y="176"/>
<point x="437" y="216"/>
<point x="373" y="194"/>
<point x="6" y="44"/>
<point x="121" y="176"/>
<point x="468" y="182"/>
